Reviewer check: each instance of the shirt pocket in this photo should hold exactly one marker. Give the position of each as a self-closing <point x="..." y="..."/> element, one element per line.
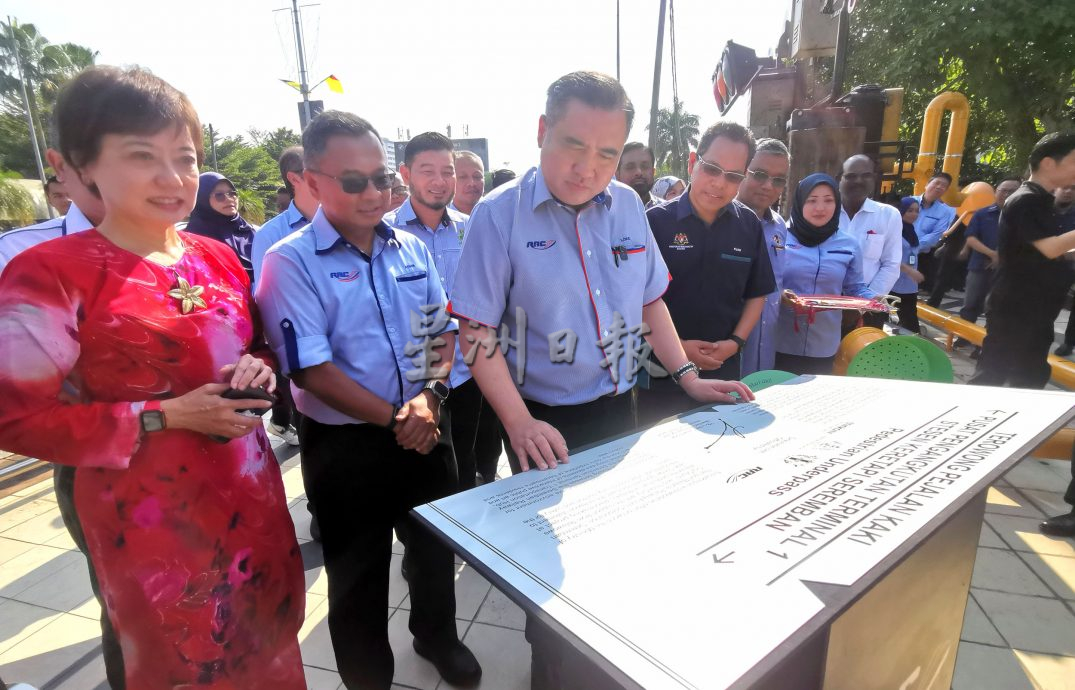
<point x="875" y="245"/>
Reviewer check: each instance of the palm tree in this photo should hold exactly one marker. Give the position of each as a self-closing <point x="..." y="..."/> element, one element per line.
<point x="677" y="132"/>
<point x="16" y="204"/>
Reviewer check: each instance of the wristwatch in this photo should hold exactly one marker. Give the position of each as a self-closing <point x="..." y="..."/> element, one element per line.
<point x="739" y="342"/>
<point x="438" y="389"/>
<point x="152" y="417"/>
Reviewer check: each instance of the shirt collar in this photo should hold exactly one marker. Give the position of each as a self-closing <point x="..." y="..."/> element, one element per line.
<point x="684" y="207"/>
<point x="406" y="215"/>
<point x="293" y="215"/>
<point x="327" y="237"/>
<point x="75" y="220"/>
<point x="542" y="193"/>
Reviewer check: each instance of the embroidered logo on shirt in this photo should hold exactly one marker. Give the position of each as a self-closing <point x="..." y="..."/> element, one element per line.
<point x="344" y="276"/>
<point x="778" y="244"/>
<point x="541" y="244"/>
<point x="680" y="241"/>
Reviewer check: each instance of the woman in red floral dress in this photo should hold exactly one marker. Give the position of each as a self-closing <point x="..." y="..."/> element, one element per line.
<point x="111" y="334"/>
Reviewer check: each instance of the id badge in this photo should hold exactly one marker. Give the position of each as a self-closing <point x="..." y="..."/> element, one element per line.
<point x="912" y="260"/>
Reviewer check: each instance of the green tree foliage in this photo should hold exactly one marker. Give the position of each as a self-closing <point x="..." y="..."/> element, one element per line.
<point x="276" y="141"/>
<point x="1014" y="60"/>
<point x="677" y="133"/>
<point x="250" y="168"/>
<point x="16" y="205"/>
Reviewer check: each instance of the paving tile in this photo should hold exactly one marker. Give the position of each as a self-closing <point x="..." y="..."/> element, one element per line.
<point x="1010" y="501"/>
<point x="29" y="568"/>
<point x="503" y="654"/>
<point x="19" y="620"/>
<point x="1057" y="571"/>
<point x="314" y="639"/>
<point x="1004" y="571"/>
<point x="320" y="679"/>
<point x="976" y="626"/>
<point x="988" y="537"/>
<point x="979" y="667"/>
<point x="293" y="487"/>
<point x="20" y="509"/>
<point x="10" y="548"/>
<point x="53" y="648"/>
<point x="63" y="590"/>
<point x="42" y="489"/>
<point x="470" y="591"/>
<point x="1036" y="474"/>
<point x="1060" y="467"/>
<point x="90" y="676"/>
<point x="397" y="586"/>
<point x="1022" y="534"/>
<point x="1048" y="502"/>
<point x="40" y="528"/>
<point x="411" y="669"/>
<point x="1047" y="671"/>
<point x="1030" y="623"/>
<point x="63" y="541"/>
<point x="301" y="516"/>
<point x="499" y="610"/>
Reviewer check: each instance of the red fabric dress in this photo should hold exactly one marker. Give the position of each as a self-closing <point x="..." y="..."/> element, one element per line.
<point x="191" y="539"/>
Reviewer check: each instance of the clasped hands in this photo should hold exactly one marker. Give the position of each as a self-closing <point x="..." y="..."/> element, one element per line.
<point x="204" y="410"/>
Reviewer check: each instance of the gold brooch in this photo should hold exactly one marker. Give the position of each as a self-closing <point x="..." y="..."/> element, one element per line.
<point x="189" y="295"/>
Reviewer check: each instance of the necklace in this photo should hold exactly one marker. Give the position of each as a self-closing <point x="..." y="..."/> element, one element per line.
<point x="189" y="296"/>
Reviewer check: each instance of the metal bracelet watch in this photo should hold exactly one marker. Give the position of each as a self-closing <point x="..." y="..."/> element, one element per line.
<point x="438" y="389"/>
<point x="684" y="370"/>
<point x="152" y="417"/>
<point x="739" y="342"/>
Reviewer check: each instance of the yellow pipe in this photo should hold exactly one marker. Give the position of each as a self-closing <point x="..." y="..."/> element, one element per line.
<point x="1063" y="369"/>
<point x="956" y="103"/>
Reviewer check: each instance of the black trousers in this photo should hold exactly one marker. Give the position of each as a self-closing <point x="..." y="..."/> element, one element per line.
<point x="1069" y="495"/>
<point x="801" y="364"/>
<point x="283" y="407"/>
<point x="1015" y="351"/>
<point x="63" y="481"/>
<point x="1069" y="332"/>
<point x="466" y="406"/>
<point x="363" y="482"/>
<point x="908" y="310"/>
<point x="487" y="444"/>
<point x="554" y="664"/>
<point x="664" y="398"/>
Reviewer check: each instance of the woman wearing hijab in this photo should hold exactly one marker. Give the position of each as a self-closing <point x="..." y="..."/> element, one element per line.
<point x="667" y="188"/>
<point x="216" y="215"/>
<point x="819" y="259"/>
<point x="906" y="287"/>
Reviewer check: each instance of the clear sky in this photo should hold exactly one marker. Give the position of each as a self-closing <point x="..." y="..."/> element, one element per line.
<point x="411" y="64"/>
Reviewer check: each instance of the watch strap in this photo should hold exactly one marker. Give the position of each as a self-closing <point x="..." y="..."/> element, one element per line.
<point x="739" y="342"/>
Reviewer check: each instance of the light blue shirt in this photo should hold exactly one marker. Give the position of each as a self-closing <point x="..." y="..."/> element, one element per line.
<point x="274" y="230"/>
<point x="525" y="250"/>
<point x="932" y="222"/>
<point x="905" y="285"/>
<point x="323" y="300"/>
<point x="759" y="354"/>
<point x="445" y="243"/>
<point x="834" y="267"/>
<point x="14" y="242"/>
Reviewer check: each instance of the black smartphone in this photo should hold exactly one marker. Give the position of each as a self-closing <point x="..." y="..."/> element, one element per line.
<point x="245" y="394"/>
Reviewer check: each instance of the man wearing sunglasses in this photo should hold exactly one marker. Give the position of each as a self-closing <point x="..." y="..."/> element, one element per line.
<point x="716" y="252"/>
<point x="340" y="300"/>
<point x="767" y="177"/>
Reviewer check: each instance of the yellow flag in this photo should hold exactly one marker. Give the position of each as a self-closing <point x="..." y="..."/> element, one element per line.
<point x="334" y="84"/>
<point x="293" y="84"/>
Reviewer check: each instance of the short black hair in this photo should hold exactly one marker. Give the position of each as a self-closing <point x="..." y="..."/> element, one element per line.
<point x="328" y="124"/>
<point x="595" y="89"/>
<point x="729" y="130"/>
<point x="943" y="175"/>
<point x="1008" y="178"/>
<point x="284" y="190"/>
<point x="104" y="100"/>
<point x="635" y="146"/>
<point x="426" y="141"/>
<point x="501" y="176"/>
<point x="49" y="181"/>
<point x="290" y="161"/>
<point x="1056" y="146"/>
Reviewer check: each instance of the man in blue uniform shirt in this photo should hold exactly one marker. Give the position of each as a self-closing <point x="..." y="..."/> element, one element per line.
<point x="982" y="245"/>
<point x="344" y="302"/>
<point x="302" y="208"/>
<point x="563" y="262"/>
<point x="767" y="176"/>
<point x="715" y="250"/>
<point x="934" y="217"/>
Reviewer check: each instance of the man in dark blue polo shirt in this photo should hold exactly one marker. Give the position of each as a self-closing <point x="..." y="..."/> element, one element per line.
<point x="715" y="250"/>
<point x="982" y="242"/>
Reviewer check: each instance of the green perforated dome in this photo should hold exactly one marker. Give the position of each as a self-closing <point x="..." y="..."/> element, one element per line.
<point x="903" y="357"/>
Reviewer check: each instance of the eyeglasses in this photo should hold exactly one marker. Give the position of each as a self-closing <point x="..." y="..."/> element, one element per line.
<point x="714" y="170"/>
<point x="352" y="183"/>
<point x="762" y="177"/>
<point x="221" y="196"/>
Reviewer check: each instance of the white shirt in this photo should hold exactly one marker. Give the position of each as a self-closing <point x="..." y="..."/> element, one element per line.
<point x="14" y="242"/>
<point x="879" y="231"/>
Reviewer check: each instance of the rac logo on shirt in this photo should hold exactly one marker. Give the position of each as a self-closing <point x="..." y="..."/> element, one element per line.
<point x="344" y="276"/>
<point x="541" y="244"/>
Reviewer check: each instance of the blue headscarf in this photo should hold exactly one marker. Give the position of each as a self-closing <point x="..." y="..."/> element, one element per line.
<point x="909" y="233"/>
<point x="208" y="222"/>
<point x="808" y="234"/>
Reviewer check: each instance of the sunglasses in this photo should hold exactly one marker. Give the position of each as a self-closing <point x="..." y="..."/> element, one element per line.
<point x="762" y="177"/>
<point x="714" y="170"/>
<point x="353" y="183"/>
<point x="221" y="196"/>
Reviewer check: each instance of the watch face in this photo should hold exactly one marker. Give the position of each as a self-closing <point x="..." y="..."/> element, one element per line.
<point x="152" y="420"/>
